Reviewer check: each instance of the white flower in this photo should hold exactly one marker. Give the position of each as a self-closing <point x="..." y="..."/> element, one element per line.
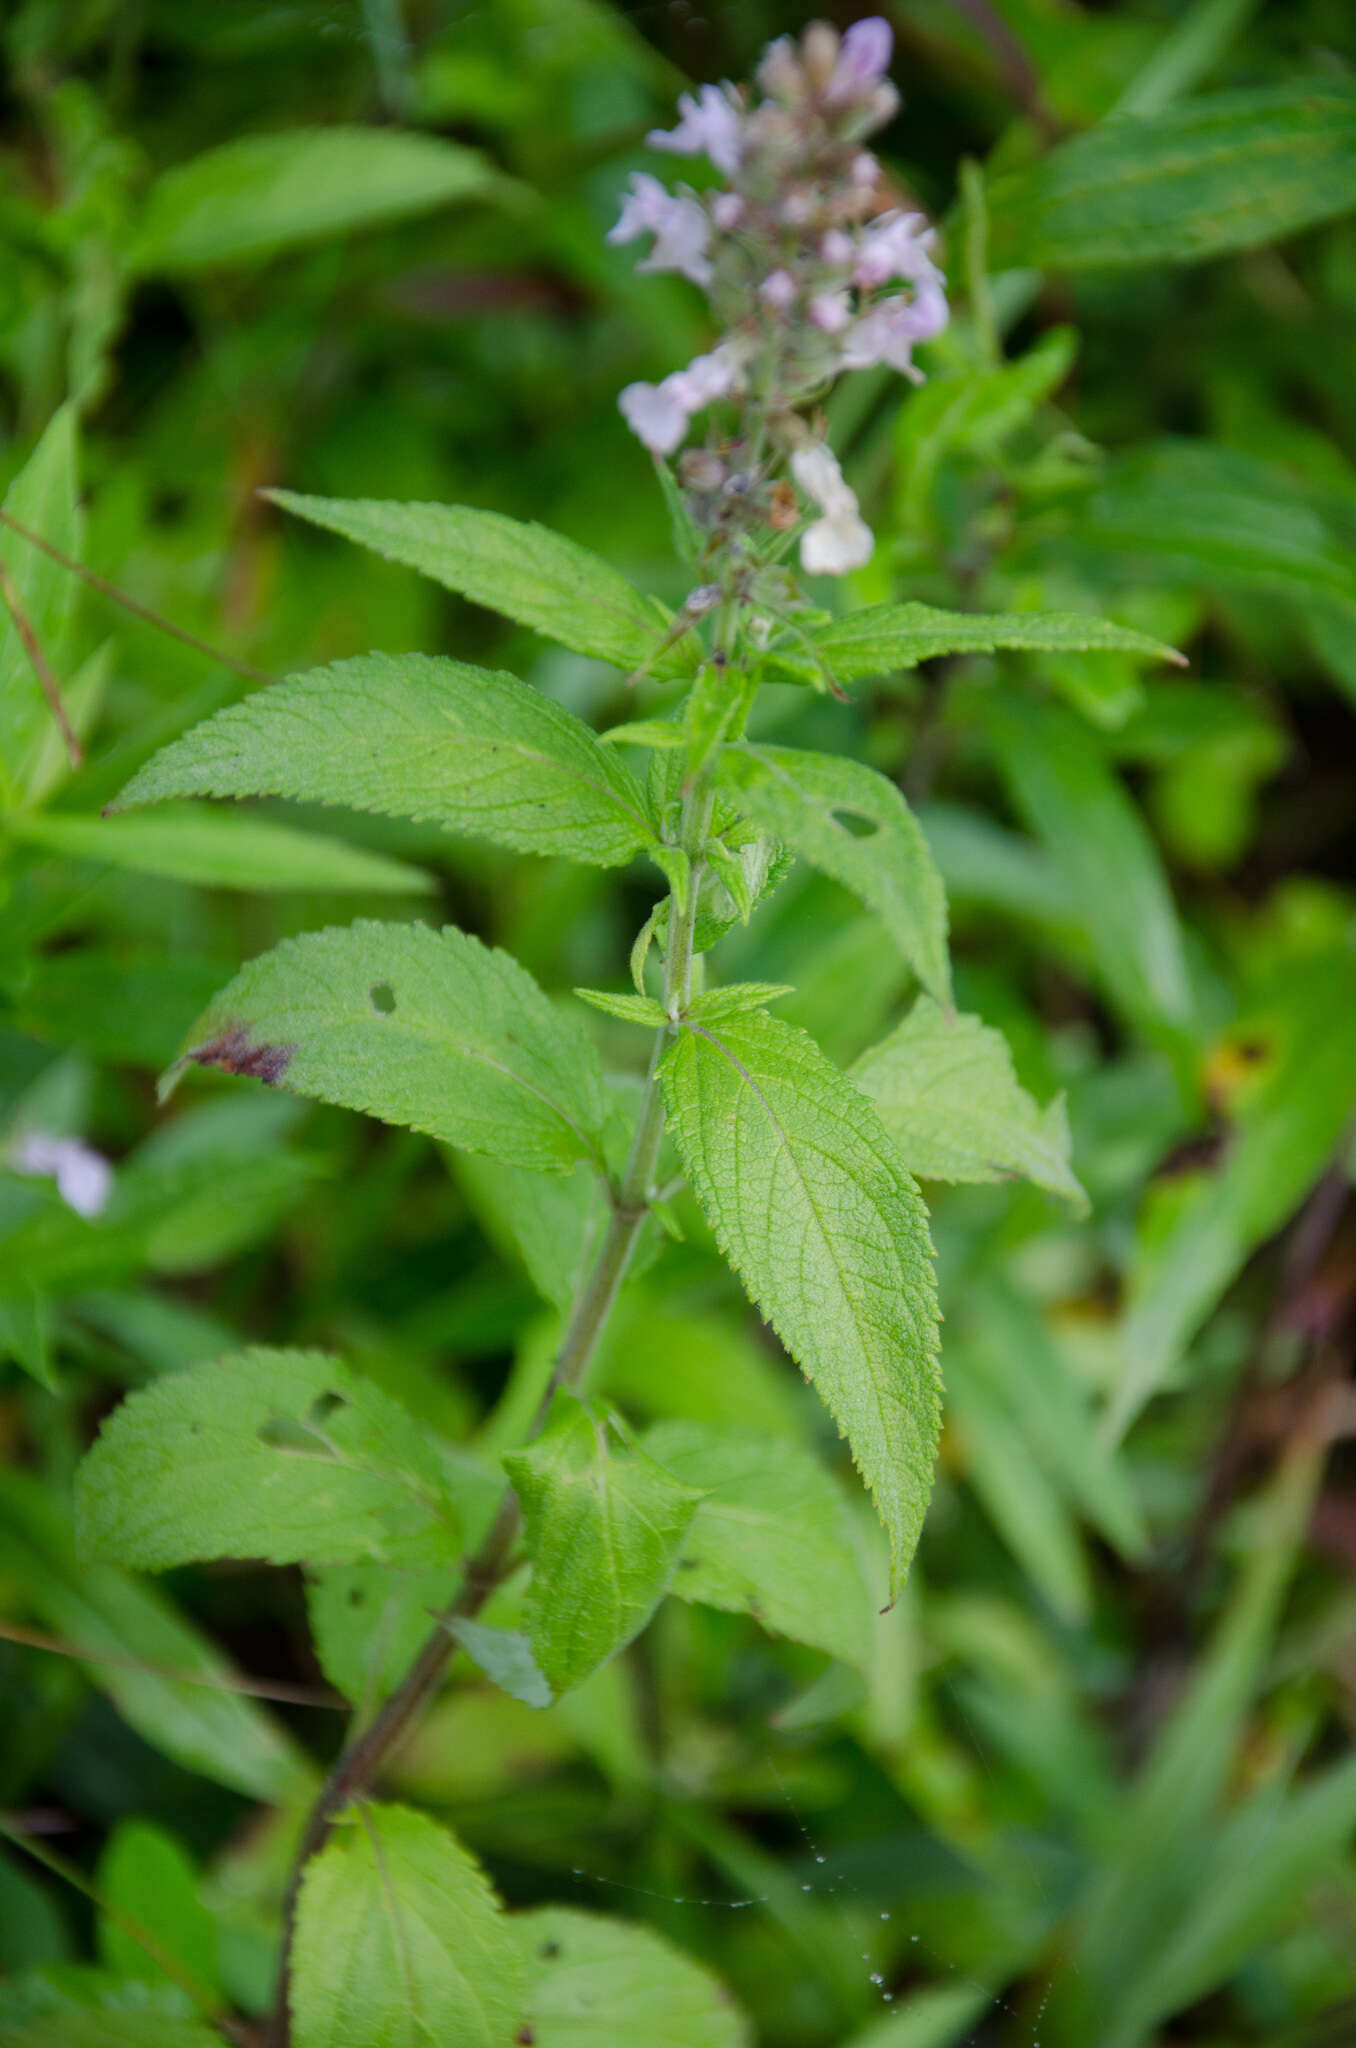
<point x="679" y="225"/>
<point x="887" y="333"/>
<point x="727" y="210"/>
<point x="863" y="59"/>
<point x="654" y="415"/>
<point x="658" y="414"/>
<point x="841" y="540"/>
<point x="895" y="245"/>
<point x="837" y="248"/>
<point x="83" y="1176"/>
<point x="711" y="126"/>
<point x="706" y="378"/>
<point x="778" y="290"/>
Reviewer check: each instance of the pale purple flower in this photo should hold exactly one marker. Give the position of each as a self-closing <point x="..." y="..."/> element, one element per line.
<point x="831" y="312"/>
<point x="727" y="210"/>
<point x="654" y="415"/>
<point x="679" y="225"/>
<point x="864" y="171"/>
<point x="863" y="60"/>
<point x="888" y="333"/>
<point x="706" y="378"/>
<point x="83" y="1176"/>
<point x="841" y="539"/>
<point x="837" y="248"/>
<point x="711" y="126"/>
<point x="658" y="414"/>
<point x="778" y="290"/>
<point x="894" y="245"/>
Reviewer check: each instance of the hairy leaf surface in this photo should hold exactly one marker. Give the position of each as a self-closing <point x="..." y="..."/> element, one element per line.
<point x="811" y="801"/>
<point x="803" y="1189"/>
<point x="881" y="638"/>
<point x="597" y="1983"/>
<point x="428" y="1029"/>
<point x="414" y="736"/>
<point x="949" y="1097"/>
<point x="604" y="1528"/>
<point x="282" y="1455"/>
<point x="770" y="1538"/>
<point x="400" y="1941"/>
<point x="526" y="572"/>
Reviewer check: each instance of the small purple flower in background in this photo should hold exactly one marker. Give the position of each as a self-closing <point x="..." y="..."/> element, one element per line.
<point x="807" y="276"/>
<point x="83" y="1176"/>
<point x="679" y="225"/>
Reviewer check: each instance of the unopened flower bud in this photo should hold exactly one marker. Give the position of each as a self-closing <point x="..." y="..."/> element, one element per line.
<point x="778" y="290"/>
<point x="703" y="599"/>
<point x="779" y="72"/>
<point x="864" y="58"/>
<point x="819" y="48"/>
<point x="727" y="210"/>
<point x="701" y="469"/>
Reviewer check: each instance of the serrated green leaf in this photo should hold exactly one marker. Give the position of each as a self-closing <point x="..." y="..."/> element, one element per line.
<point x="605" y="1525"/>
<point x="949" y="1097"/>
<point x="428" y="1029"/>
<point x="207" y="1728"/>
<point x="217" y="851"/>
<point x="770" y="1538"/>
<point x="252" y="197"/>
<point x="882" y="638"/>
<point x="149" y="1877"/>
<point x="734" y="999"/>
<point x="803" y="1189"/>
<point x="506" y="1657"/>
<point x="807" y="800"/>
<point x="524" y="571"/>
<point x="630" y="1009"/>
<point x="598" y="1983"/>
<point x="44" y="498"/>
<point x="415" y="736"/>
<point x="400" y="1941"/>
<point x="281" y="1455"/>
<point x="1230" y="170"/>
<point x="1073" y="801"/>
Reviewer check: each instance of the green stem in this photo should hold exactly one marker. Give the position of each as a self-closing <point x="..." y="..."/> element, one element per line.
<point x="365" y="1756"/>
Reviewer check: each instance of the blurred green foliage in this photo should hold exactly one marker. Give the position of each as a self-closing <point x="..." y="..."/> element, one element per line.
<point x="1095" y="1787"/>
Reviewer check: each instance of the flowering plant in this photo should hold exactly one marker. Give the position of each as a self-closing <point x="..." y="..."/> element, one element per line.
<point x="541" y="1549"/>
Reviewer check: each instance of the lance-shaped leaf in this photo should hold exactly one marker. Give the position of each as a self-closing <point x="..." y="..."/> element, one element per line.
<point x="400" y="1941"/>
<point x="1073" y="801"/>
<point x="881" y="638"/>
<point x="522" y="570"/>
<point x="414" y="736"/>
<point x="193" y="844"/>
<point x="262" y="193"/>
<point x="44" y="497"/>
<point x="281" y="1455"/>
<point x="605" y="1525"/>
<point x="1226" y="171"/>
<point x="598" y="1983"/>
<point x="771" y="1537"/>
<point x="428" y="1029"/>
<point x="804" y="1191"/>
<point x="949" y="1097"/>
<point x="851" y="823"/>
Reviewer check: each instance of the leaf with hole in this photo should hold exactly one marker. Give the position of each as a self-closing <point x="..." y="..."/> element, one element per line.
<point x="803" y="1189"/>
<point x="852" y="824"/>
<point x="414" y="736"/>
<point x="429" y="1029"/>
<point x="281" y="1455"/>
